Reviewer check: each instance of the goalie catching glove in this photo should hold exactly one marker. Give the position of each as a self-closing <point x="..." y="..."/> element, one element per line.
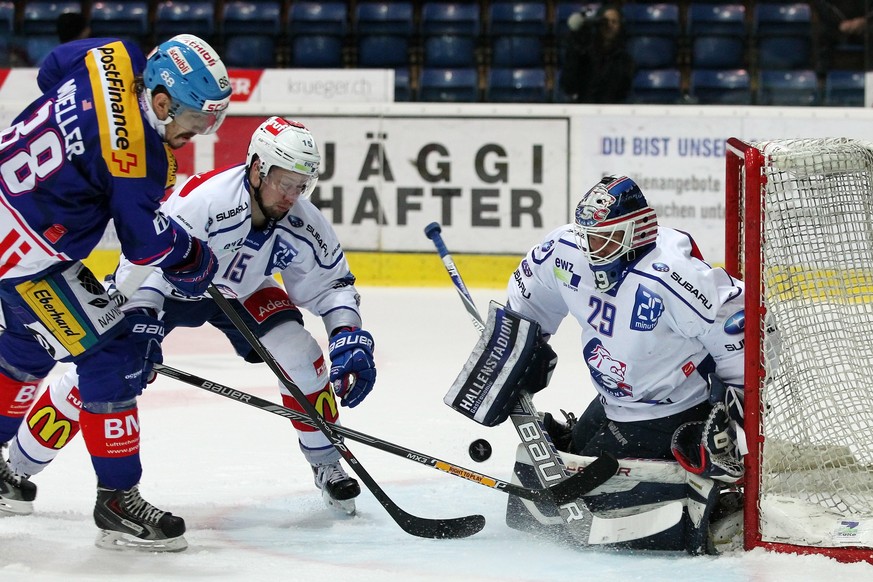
<point x="511" y="356"/>
<point x="715" y="447"/>
<point x="352" y="372"/>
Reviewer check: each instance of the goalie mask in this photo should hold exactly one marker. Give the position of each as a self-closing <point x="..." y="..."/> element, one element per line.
<point x="614" y="226"/>
<point x="195" y="78"/>
<point x="287" y="145"/>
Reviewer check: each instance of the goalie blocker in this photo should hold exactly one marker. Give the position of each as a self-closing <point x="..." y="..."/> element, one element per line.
<point x="511" y="356"/>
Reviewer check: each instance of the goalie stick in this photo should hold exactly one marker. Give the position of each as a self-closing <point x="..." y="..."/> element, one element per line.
<point x="458" y="527"/>
<point x="596" y="471"/>
<point x="582" y="524"/>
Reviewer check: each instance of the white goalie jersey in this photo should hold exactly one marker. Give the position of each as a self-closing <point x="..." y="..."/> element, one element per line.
<point x="651" y="341"/>
<point x="302" y="248"/>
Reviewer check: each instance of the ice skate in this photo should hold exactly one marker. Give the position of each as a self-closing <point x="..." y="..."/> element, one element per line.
<point x="16" y="491"/>
<point x="337" y="489"/>
<point x="128" y="522"/>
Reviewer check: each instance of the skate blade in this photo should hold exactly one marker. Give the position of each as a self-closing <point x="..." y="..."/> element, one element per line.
<point x="344" y="507"/>
<point x="727" y="533"/>
<point x="10" y="507"/>
<point x="118" y="541"/>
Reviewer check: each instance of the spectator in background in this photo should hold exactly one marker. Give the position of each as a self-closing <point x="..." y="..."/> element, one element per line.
<point x="597" y="66"/>
<point x="72" y="26"/>
<point x="842" y="22"/>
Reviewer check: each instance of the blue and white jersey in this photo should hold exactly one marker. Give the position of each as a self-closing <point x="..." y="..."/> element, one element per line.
<point x="650" y="342"/>
<point x="80" y="155"/>
<point x="302" y="247"/>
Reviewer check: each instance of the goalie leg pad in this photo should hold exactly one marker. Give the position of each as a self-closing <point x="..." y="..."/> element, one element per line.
<point x="488" y="386"/>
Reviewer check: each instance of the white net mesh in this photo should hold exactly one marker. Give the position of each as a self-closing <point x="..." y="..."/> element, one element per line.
<point x="817" y="399"/>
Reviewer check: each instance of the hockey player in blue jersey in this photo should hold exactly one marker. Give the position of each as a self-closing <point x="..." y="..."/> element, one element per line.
<point x="662" y="338"/>
<point x="97" y="145"/>
<point x="258" y="217"/>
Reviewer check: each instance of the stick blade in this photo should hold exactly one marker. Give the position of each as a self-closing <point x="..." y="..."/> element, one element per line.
<point x="442" y="529"/>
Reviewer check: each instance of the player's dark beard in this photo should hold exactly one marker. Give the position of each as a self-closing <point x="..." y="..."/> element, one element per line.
<point x="270" y="215"/>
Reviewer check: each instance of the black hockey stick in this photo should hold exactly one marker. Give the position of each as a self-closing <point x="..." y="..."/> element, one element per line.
<point x="458" y="527"/>
<point x="576" y="486"/>
<point x="545" y="457"/>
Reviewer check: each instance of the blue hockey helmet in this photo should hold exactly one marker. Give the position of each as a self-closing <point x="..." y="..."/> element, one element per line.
<point x="192" y="73"/>
<point x="614" y="225"/>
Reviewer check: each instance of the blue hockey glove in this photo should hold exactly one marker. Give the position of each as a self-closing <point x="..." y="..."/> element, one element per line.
<point x="352" y="372"/>
<point x="195" y="272"/>
<point x="147" y="331"/>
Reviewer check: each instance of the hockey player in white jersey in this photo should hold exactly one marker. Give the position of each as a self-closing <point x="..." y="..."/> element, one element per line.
<point x="659" y="328"/>
<point x="258" y="219"/>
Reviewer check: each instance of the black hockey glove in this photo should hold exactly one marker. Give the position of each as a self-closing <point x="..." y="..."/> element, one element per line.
<point x="539" y="371"/>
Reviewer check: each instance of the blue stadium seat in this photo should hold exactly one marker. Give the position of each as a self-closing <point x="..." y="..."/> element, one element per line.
<point x="656" y="86"/>
<point x="402" y="85"/>
<point x="7" y="28"/>
<point x="449" y="34"/>
<point x="517" y="18"/>
<point x="514" y="85"/>
<point x="250" y="29"/>
<point x="457" y="85"/>
<point x="783" y="33"/>
<point x="450" y="51"/>
<point x="788" y="88"/>
<point x="319" y="51"/>
<point x="250" y="51"/>
<point x="191" y="17"/>
<point x="653" y="52"/>
<point x="40" y="18"/>
<point x="257" y="17"/>
<point x="322" y="18"/>
<point x="653" y="34"/>
<point x="844" y="89"/>
<point x="384" y="32"/>
<point x="517" y="51"/>
<point x="317" y="31"/>
<point x="727" y="87"/>
<point x="718" y="35"/>
<point x="452" y="18"/>
<point x="517" y="31"/>
<point x="129" y="19"/>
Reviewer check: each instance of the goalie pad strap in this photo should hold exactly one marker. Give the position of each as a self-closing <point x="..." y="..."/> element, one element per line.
<point x="488" y="385"/>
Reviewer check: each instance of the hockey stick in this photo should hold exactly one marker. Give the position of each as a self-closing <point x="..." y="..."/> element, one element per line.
<point x="581" y="522"/>
<point x="576" y="486"/>
<point x="458" y="527"/>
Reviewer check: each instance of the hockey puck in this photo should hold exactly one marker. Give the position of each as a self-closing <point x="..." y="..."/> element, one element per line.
<point x="480" y="450"/>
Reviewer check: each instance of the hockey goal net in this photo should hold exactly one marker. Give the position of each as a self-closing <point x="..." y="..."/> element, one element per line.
<point x="799" y="217"/>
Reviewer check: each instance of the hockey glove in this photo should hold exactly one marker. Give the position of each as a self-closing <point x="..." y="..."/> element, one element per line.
<point x="709" y="448"/>
<point x="147" y="331"/>
<point x="561" y="433"/>
<point x="195" y="272"/>
<point x="539" y="371"/>
<point x="352" y="370"/>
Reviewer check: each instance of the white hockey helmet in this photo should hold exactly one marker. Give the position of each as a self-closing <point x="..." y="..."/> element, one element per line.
<point x="287" y="145"/>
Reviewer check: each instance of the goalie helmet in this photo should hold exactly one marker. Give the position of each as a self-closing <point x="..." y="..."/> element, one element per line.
<point x="195" y="78"/>
<point x="287" y="145"/>
<point x="614" y="225"/>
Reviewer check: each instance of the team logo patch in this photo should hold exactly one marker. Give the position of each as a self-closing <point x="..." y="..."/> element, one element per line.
<point x="606" y="371"/>
<point x="547" y="246"/>
<point x="736" y="323"/>
<point x="280" y="256"/>
<point x="661" y="267"/>
<point x="688" y="368"/>
<point x="648" y="308"/>
<point x="525" y="268"/>
<point x="295" y="221"/>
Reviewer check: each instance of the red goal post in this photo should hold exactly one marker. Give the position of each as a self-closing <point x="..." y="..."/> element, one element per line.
<point x="799" y="232"/>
